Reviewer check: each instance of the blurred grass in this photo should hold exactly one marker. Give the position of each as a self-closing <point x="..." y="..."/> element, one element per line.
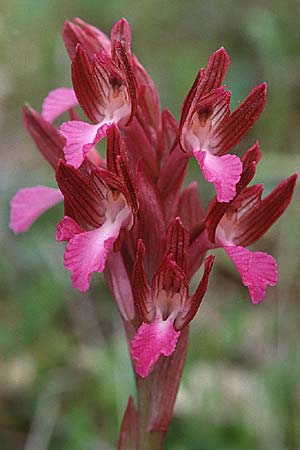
<point x="64" y="371"/>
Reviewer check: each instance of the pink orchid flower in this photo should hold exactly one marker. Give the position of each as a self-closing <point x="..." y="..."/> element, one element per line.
<point x="165" y="307"/>
<point x="104" y="86"/>
<point x="209" y="130"/>
<point x="98" y="204"/>
<point x="240" y="223"/>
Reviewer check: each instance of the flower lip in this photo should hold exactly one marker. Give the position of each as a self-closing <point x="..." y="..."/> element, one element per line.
<point x="168" y="304"/>
<point x="87" y="251"/>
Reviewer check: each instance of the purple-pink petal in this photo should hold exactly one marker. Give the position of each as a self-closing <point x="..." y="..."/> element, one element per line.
<point x="151" y="341"/>
<point x="80" y="138"/>
<point x="30" y="203"/>
<point x="67" y="228"/>
<point x="223" y="171"/>
<point x="57" y="102"/>
<point x="257" y="270"/>
<point x="87" y="252"/>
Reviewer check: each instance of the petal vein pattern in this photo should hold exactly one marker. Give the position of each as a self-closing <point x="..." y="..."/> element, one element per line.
<point x="257" y="270"/>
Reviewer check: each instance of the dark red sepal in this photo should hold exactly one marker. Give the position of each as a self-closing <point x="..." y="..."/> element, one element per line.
<point x="215" y="71"/>
<point x="148" y="98"/>
<point x="177" y="243"/>
<point x="230" y="131"/>
<point x="258" y="219"/>
<point x="171" y="179"/>
<point x="140" y="288"/>
<point x="145" y="117"/>
<point x="85" y="202"/>
<point x="250" y="159"/>
<point x="120" y="35"/>
<point x="88" y="91"/>
<point x="128" y="437"/>
<point x="118" y="163"/>
<point x="205" y="81"/>
<point x="140" y="147"/>
<point x="121" y="55"/>
<point x="47" y="138"/>
<point x="151" y="220"/>
<point x="197" y="250"/>
<point x="187" y="104"/>
<point x="192" y="305"/>
<point x="129" y="187"/>
<point x="102" y="177"/>
<point x="190" y="209"/>
<point x="115" y="147"/>
<point x="173" y="166"/>
<point x="169" y="133"/>
<point x="88" y="36"/>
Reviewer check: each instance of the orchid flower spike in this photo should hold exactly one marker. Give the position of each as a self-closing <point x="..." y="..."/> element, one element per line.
<point x="131" y="216"/>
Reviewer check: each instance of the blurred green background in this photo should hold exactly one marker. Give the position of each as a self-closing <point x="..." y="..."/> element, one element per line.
<point x="64" y="371"/>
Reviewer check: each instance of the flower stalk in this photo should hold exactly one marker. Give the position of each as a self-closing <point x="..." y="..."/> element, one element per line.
<point x="147" y="439"/>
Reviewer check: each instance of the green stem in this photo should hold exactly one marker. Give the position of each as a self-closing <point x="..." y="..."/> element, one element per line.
<point x="156" y="396"/>
<point x="148" y="440"/>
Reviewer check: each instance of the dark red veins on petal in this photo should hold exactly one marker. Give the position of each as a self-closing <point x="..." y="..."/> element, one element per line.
<point x="121" y="34"/>
<point x="215" y="71"/>
<point x="258" y="220"/>
<point x="47" y="138"/>
<point x="73" y="34"/>
<point x="129" y="187"/>
<point x="121" y="55"/>
<point x="141" y="290"/>
<point x="85" y="86"/>
<point x="177" y="243"/>
<point x="231" y="131"/>
<point x="115" y="147"/>
<point x="192" y="305"/>
<point x="151" y="220"/>
<point x="85" y="202"/>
